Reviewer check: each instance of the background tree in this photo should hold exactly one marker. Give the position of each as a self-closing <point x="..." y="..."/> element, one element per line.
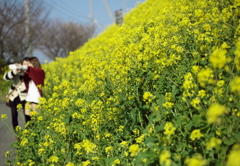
<point x="53" y="38"/>
<point x="13" y="42"/>
<point x="61" y="38"/>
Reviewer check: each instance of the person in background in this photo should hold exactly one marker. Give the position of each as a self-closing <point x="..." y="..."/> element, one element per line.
<point x="19" y="95"/>
<point x="34" y="80"/>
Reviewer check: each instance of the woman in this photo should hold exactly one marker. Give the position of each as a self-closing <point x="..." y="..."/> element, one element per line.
<point x="19" y="95"/>
<point x="34" y="80"/>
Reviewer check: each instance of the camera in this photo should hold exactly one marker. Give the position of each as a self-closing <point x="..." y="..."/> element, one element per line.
<point x="19" y="67"/>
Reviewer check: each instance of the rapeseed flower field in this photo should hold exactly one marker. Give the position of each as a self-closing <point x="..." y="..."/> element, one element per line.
<point x="160" y="89"/>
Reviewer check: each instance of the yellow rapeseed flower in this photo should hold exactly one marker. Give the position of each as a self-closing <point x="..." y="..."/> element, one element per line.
<point x="140" y="139"/>
<point x="120" y="128"/>
<point x="165" y="158"/>
<point x="95" y="158"/>
<point x="70" y="164"/>
<point x="195" y="103"/>
<point x="4" y="116"/>
<point x="168" y="96"/>
<point x="41" y="151"/>
<point x="168" y="105"/>
<point x="234" y="84"/>
<point x="214" y="112"/>
<point x="24" y="141"/>
<point x="218" y="58"/>
<point x="134" y="150"/>
<point x="88" y="146"/>
<point x="8" y="153"/>
<point x="124" y="143"/>
<point x="117" y="161"/>
<point x="148" y="96"/>
<point x="201" y="93"/>
<point x="136" y="132"/>
<point x="196" y="134"/>
<point x="86" y="163"/>
<point x="233" y="157"/>
<point x="205" y="76"/>
<point x="169" y="129"/>
<point x="220" y="83"/>
<point x="195" y="69"/>
<point x="53" y="159"/>
<point x="108" y="149"/>
<point x="212" y="143"/>
<point x="197" y="160"/>
<point x="237" y="56"/>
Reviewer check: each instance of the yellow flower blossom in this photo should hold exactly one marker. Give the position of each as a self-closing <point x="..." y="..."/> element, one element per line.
<point x="165" y="158"/>
<point x="197" y="160"/>
<point x="134" y="150"/>
<point x="136" y="132"/>
<point x="120" y="128"/>
<point x="95" y="158"/>
<point x="30" y="162"/>
<point x="88" y="146"/>
<point x="70" y="164"/>
<point x="195" y="69"/>
<point x="148" y="96"/>
<point x="140" y="139"/>
<point x="212" y="143"/>
<point x="168" y="96"/>
<point x="124" y="143"/>
<point x="201" y="93"/>
<point x="7" y="153"/>
<point x="117" y="161"/>
<point x="24" y="142"/>
<point x="205" y="76"/>
<point x="41" y="151"/>
<point x="234" y="84"/>
<point x="218" y="58"/>
<point x="220" y="83"/>
<point x="86" y="163"/>
<point x="237" y="56"/>
<point x="196" y="134"/>
<point x="107" y="135"/>
<point x="214" y="113"/>
<point x="195" y="103"/>
<point x="53" y="159"/>
<point x="233" y="157"/>
<point x="169" y="129"/>
<point x="198" y="13"/>
<point x="4" y="116"/>
<point x="109" y="149"/>
<point x="168" y="105"/>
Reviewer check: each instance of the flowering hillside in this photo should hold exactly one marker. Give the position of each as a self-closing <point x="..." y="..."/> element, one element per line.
<point x="162" y="89"/>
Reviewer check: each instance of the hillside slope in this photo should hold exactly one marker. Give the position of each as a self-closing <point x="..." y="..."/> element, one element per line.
<point x="162" y="89"/>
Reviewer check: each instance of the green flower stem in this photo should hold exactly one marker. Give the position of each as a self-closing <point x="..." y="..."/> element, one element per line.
<point x="10" y="129"/>
<point x="169" y="79"/>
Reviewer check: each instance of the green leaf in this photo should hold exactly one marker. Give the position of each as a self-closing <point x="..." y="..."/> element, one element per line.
<point x="150" y="139"/>
<point x="229" y="141"/>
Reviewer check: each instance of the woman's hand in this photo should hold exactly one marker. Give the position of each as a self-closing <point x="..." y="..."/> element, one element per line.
<point x="18" y="69"/>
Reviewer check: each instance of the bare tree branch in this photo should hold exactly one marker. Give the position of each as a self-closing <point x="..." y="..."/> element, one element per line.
<point x="61" y="38"/>
<point x="13" y="43"/>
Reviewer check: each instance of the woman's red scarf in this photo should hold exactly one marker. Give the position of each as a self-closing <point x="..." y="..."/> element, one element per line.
<point x="35" y="74"/>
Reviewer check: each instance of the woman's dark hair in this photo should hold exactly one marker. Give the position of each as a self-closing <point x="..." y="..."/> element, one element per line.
<point x="35" y="62"/>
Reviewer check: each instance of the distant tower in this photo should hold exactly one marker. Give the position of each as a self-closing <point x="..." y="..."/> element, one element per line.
<point x="119" y="17"/>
